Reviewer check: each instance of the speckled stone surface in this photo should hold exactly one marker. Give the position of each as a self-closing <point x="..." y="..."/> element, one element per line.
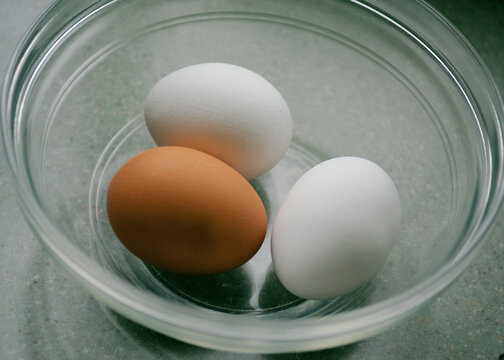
<point x="45" y="314"/>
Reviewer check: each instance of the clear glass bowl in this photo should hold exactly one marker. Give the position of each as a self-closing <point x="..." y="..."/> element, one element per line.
<point x="391" y="81"/>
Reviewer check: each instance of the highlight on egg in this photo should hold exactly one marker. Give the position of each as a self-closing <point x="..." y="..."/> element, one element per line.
<point x="185" y="211"/>
<point x="225" y="110"/>
<point x="336" y="228"/>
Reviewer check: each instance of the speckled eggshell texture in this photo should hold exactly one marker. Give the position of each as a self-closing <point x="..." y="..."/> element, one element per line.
<point x="225" y="110"/>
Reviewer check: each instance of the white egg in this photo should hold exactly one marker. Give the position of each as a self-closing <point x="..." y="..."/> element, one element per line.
<point x="224" y="110"/>
<point x="336" y="228"/>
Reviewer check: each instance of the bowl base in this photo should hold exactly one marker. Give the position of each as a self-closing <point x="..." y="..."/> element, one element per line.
<point x="253" y="288"/>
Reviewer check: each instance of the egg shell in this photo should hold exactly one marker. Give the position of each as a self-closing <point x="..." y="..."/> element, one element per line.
<point x="185" y="211"/>
<point x="225" y="110"/>
<point x="336" y="228"/>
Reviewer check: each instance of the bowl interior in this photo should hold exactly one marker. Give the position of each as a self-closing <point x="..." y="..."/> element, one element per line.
<point x="356" y="84"/>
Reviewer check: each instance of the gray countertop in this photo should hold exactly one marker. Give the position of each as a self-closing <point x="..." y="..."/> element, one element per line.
<point x="45" y="314"/>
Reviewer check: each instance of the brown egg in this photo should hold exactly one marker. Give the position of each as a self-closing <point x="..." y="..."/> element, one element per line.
<point x="185" y="211"/>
